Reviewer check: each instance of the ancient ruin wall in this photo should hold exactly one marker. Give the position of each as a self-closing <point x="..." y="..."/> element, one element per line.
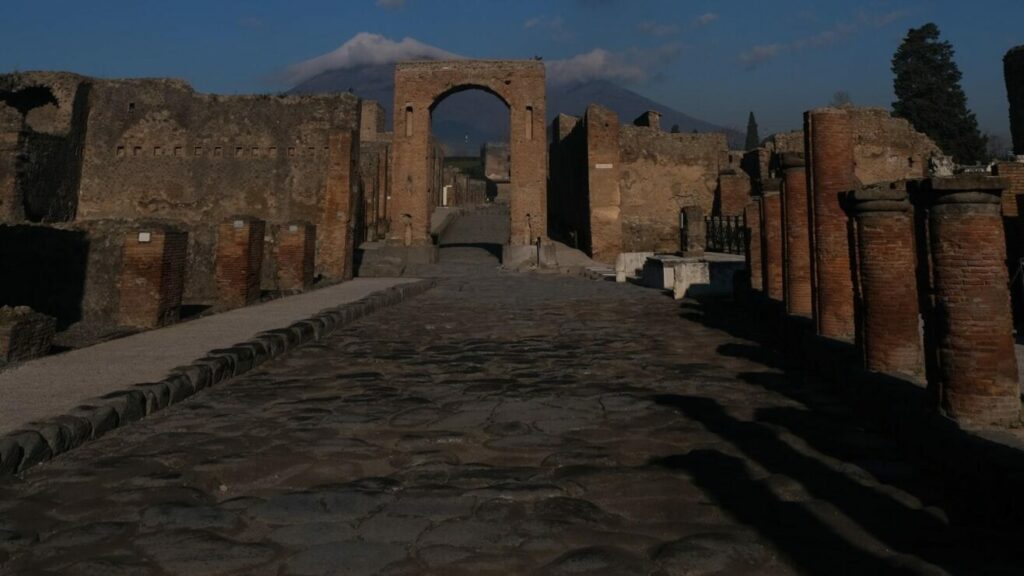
<point x="659" y="174"/>
<point x="156" y="148"/>
<point x="46" y="144"/>
<point x="887" y="149"/>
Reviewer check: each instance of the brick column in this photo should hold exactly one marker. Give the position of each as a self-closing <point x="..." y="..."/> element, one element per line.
<point x="752" y="216"/>
<point x="296" y="254"/>
<point x="11" y="205"/>
<point x="886" y="261"/>
<point x="152" y="278"/>
<point x="796" y="247"/>
<point x="239" y="259"/>
<point x="771" y="232"/>
<point x="971" y="325"/>
<point x="832" y="176"/>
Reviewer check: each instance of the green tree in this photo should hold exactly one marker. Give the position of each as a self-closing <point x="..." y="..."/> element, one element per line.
<point x="929" y="96"/>
<point x="753" y="140"/>
<point x="675" y="129"/>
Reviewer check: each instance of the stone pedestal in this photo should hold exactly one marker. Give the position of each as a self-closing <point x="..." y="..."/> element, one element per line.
<point x="152" y="278"/>
<point x="771" y="234"/>
<point x="239" y="259"/>
<point x="296" y="253"/>
<point x="755" y="256"/>
<point x="971" y="323"/>
<point x="832" y="176"/>
<point x="796" y="248"/>
<point x="890" y="337"/>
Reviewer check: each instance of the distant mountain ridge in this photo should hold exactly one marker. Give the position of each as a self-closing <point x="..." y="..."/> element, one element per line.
<point x="465" y="120"/>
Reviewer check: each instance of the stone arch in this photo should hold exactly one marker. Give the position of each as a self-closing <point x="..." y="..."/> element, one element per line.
<point x="419" y="87"/>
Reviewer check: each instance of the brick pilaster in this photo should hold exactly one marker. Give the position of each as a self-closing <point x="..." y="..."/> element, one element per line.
<point x="152" y="278"/>
<point x="296" y="253"/>
<point x="239" y="259"/>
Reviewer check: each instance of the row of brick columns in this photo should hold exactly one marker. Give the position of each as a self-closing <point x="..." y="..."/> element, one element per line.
<point x="914" y="275"/>
<point x="154" y="258"/>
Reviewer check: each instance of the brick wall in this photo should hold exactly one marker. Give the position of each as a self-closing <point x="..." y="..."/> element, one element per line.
<point x="602" y="132"/>
<point x="341" y="197"/>
<point x="296" y="250"/>
<point x="239" y="257"/>
<point x="733" y="193"/>
<point x="152" y="278"/>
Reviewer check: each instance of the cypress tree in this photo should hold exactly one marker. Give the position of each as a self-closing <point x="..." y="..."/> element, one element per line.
<point x="929" y="96"/>
<point x="753" y="140"/>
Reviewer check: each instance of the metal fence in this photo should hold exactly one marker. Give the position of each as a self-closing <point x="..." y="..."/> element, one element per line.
<point x="726" y="234"/>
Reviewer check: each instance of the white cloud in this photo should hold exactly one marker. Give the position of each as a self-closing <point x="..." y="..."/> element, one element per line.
<point x="391" y="4"/>
<point x="630" y="66"/>
<point x="705" y="19"/>
<point x="654" y="28"/>
<point x="760" y="54"/>
<point x="366" y="49"/>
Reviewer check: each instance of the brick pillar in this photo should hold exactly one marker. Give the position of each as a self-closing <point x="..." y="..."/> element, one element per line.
<point x="771" y="232"/>
<point x="296" y="254"/>
<point x="976" y="373"/>
<point x="152" y="278"/>
<point x="832" y="176"/>
<point x="733" y="193"/>
<point x="796" y="247"/>
<point x="1013" y="71"/>
<point x="752" y="216"/>
<point x="890" y="336"/>
<point x="11" y="205"/>
<point x="239" y="259"/>
<point x="334" y="254"/>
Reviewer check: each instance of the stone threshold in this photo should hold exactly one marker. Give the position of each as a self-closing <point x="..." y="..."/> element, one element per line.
<point x="42" y="440"/>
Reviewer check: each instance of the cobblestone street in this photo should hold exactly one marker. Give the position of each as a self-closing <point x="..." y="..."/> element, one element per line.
<point x="499" y="424"/>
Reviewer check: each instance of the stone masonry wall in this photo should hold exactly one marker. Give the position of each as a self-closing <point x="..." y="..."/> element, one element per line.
<point x="157" y="149"/>
<point x="660" y="174"/>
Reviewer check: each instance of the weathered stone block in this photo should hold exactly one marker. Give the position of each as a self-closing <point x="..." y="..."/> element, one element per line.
<point x="24" y="334"/>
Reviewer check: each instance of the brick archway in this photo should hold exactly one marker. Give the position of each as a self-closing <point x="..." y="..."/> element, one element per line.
<point x="419" y="86"/>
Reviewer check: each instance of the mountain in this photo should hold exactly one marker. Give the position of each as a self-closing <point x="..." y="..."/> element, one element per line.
<point x="465" y="120"/>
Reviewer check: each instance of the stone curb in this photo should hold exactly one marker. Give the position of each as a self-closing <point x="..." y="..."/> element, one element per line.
<point x="41" y="441"/>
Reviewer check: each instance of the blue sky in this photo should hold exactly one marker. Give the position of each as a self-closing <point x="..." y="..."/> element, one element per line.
<point x="714" y="60"/>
